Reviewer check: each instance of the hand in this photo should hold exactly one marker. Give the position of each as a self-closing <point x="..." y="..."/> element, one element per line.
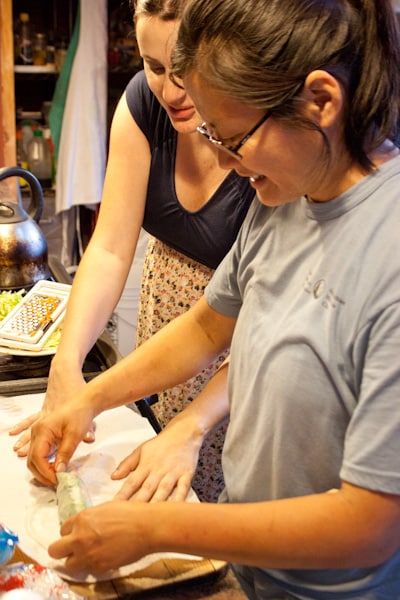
<point x="159" y="467"/>
<point x="102" y="538"/>
<point x="58" y="393"/>
<point x="57" y="433"/>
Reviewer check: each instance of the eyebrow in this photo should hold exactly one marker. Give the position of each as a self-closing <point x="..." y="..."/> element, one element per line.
<point x="150" y="59"/>
<point x="211" y="126"/>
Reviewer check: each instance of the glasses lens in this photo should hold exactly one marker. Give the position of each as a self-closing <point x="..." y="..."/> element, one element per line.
<point x="202" y="129"/>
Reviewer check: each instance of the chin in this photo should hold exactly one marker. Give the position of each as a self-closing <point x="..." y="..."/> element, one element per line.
<point x="183" y="126"/>
<point x="274" y="199"/>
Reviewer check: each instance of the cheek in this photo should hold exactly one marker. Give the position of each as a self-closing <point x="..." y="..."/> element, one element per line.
<point x="155" y="82"/>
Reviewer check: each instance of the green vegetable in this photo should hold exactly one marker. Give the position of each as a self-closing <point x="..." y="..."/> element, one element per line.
<point x="8" y="301"/>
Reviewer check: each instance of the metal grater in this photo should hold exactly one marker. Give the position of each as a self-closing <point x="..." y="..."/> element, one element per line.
<point x="31" y="322"/>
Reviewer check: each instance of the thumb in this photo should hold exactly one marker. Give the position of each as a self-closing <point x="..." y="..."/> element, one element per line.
<point x="64" y="454"/>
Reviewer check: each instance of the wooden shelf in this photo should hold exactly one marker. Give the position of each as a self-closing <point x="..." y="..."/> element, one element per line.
<point x="34" y="70"/>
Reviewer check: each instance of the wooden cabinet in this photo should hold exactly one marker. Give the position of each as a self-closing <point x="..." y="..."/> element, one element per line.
<point x="7" y="97"/>
<point x="28" y="91"/>
<point x="45" y="14"/>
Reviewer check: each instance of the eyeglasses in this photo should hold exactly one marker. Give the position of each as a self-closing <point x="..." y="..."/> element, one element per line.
<point x="232" y="150"/>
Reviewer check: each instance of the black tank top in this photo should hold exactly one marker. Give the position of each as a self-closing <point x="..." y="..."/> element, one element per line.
<point x="205" y="235"/>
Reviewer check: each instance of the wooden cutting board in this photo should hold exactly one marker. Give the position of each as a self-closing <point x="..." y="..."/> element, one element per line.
<point x="161" y="574"/>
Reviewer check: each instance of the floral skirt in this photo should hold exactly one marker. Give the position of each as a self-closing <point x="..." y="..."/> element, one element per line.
<point x="171" y="284"/>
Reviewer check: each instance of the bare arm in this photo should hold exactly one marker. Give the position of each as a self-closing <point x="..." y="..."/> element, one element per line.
<point x="104" y="268"/>
<point x="178" y="351"/>
<point x="351" y="528"/>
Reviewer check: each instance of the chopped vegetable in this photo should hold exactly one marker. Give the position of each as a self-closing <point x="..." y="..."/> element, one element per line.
<point x="54" y="339"/>
<point x="8" y="301"/>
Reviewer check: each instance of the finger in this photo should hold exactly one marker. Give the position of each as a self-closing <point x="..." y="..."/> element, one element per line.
<point x="44" y="473"/>
<point x="67" y="447"/>
<point x="60" y="548"/>
<point x="24" y="424"/>
<point x="160" y="485"/>
<point x="90" y="436"/>
<point x="130" y="487"/>
<point x="182" y="489"/>
<point x="164" y="489"/>
<point x="22" y="441"/>
<point x="22" y="452"/>
<point x="126" y="466"/>
<point x="66" y="527"/>
<point x="40" y="461"/>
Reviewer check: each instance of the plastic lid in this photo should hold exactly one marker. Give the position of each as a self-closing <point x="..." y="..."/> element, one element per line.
<point x="24" y="17"/>
<point x="38" y="133"/>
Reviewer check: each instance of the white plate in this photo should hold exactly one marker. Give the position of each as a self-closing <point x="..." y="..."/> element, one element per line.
<point x="18" y="352"/>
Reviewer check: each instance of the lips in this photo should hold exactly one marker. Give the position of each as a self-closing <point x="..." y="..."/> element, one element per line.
<point x="182" y="112"/>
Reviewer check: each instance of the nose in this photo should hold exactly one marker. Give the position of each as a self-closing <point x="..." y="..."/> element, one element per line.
<point x="172" y="94"/>
<point x="226" y="161"/>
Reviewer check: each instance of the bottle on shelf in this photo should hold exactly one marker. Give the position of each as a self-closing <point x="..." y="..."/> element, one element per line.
<point x="60" y="54"/>
<point x="22" y="158"/>
<point x="39" y="51"/>
<point x="48" y="138"/>
<point x="24" y="41"/>
<point x="27" y="135"/>
<point x="39" y="159"/>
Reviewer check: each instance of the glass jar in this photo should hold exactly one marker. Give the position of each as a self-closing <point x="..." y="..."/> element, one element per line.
<point x="39" y="50"/>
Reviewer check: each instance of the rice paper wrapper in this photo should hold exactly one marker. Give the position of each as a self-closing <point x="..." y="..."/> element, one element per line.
<point x="31" y="510"/>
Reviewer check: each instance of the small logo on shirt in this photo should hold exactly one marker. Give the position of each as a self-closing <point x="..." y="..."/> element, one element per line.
<point x="317" y="288"/>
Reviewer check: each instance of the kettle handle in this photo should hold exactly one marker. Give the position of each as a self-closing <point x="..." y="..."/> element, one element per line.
<point x="35" y="207"/>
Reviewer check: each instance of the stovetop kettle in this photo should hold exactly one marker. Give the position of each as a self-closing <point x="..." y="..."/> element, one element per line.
<point x="23" y="247"/>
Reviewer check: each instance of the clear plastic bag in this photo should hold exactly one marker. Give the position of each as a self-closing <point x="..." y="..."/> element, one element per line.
<point x="36" y="578"/>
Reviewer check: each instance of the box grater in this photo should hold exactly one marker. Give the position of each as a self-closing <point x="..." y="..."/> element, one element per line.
<point x="29" y="325"/>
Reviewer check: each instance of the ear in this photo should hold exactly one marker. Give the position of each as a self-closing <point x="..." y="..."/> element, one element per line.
<point x="324" y="96"/>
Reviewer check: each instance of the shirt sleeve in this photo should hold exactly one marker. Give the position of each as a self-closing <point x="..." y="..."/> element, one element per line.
<point x="372" y="445"/>
<point x="223" y="293"/>
<point x="140" y="102"/>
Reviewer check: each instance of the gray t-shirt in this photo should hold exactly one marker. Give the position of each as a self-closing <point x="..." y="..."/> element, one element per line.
<point x="315" y="360"/>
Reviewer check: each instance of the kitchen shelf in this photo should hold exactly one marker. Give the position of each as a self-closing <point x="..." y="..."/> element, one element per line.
<point x="34" y="70"/>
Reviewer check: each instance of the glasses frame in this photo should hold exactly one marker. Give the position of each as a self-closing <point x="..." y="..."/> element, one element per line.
<point x="232" y="150"/>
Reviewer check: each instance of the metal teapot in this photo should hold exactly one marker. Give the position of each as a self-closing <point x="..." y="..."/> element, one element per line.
<point x="23" y="247"/>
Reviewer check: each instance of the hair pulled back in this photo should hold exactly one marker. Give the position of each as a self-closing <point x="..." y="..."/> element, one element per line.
<point x="260" y="53"/>
<point x="166" y="10"/>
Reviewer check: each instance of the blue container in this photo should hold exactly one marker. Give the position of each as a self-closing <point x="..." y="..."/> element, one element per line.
<point x="8" y="540"/>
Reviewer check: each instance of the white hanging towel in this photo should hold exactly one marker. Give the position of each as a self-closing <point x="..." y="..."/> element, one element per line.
<point x="78" y="117"/>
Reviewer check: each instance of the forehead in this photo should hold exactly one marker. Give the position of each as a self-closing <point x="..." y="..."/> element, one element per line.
<point x="217" y="108"/>
<point x="156" y="35"/>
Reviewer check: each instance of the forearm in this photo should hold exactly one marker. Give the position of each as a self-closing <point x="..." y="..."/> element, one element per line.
<point x="208" y="409"/>
<point x="105" y="265"/>
<point x="174" y="354"/>
<point x="310" y="532"/>
<point x="89" y="307"/>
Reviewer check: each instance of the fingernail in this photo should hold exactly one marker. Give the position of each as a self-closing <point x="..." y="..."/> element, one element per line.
<point x="60" y="468"/>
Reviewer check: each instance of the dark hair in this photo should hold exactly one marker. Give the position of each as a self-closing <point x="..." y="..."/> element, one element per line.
<point x="261" y="51"/>
<point x="166" y="10"/>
